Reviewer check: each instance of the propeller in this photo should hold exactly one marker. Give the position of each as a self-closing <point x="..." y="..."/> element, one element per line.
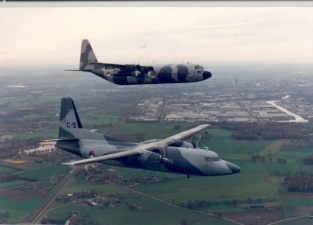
<point x="165" y="150"/>
<point x="196" y="144"/>
<point x="164" y="159"/>
<point x="199" y="140"/>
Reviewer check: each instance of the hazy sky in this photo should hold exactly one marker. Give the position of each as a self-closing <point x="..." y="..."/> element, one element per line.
<point x="205" y="35"/>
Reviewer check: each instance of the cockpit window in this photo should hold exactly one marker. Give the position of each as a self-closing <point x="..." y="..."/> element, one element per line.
<point x="210" y="159"/>
<point x="197" y="67"/>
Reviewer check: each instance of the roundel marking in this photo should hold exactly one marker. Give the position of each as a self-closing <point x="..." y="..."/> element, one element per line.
<point x="92" y="154"/>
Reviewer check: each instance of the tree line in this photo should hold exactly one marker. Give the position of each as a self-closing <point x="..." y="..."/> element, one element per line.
<point x="308" y="161"/>
<point x="259" y="158"/>
<point x="268" y="131"/>
<point x="302" y="183"/>
<point x="196" y="204"/>
<point x="7" y="176"/>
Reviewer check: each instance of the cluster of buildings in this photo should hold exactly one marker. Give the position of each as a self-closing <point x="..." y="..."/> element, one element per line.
<point x="198" y="107"/>
<point x="148" y="110"/>
<point x="248" y="98"/>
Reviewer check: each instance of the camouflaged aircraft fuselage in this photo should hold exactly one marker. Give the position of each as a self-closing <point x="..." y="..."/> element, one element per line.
<point x="131" y="74"/>
<point x="175" y="73"/>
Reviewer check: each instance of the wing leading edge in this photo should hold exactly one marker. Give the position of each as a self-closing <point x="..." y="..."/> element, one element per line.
<point x="141" y="148"/>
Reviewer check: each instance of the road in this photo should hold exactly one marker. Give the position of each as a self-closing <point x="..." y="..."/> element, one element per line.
<point x="163" y="110"/>
<point x="121" y="121"/>
<point x="297" y="119"/>
<point x="294" y="218"/>
<point x="18" y="186"/>
<point x="40" y="211"/>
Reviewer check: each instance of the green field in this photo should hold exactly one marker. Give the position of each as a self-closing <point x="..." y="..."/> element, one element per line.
<point x="45" y="171"/>
<point x="149" y="210"/>
<point x="3" y="168"/>
<point x="253" y="181"/>
<point x="16" y="216"/>
<point x="83" y="185"/>
<point x="153" y="130"/>
<point x="24" y="205"/>
<point x="12" y="183"/>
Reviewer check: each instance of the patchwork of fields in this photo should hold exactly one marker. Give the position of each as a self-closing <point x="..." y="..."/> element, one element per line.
<point x="254" y="182"/>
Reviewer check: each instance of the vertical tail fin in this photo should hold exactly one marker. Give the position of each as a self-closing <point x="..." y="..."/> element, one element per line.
<point x="87" y="56"/>
<point x="69" y="119"/>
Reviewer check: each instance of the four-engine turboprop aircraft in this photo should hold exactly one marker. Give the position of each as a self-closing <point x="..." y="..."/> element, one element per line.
<point x="171" y="154"/>
<point x="130" y="74"/>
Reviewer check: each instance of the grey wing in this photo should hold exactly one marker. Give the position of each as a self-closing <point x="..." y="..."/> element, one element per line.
<point x="117" y="155"/>
<point x="185" y="134"/>
<point x="142" y="148"/>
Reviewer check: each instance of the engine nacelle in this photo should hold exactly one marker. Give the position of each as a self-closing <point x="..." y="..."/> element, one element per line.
<point x="110" y="71"/>
<point x="151" y="74"/>
<point x="150" y="157"/>
<point x="182" y="144"/>
<point x="136" y="73"/>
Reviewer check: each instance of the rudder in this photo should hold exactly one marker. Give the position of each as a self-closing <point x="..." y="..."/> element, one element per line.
<point x="69" y="119"/>
<point x="87" y="56"/>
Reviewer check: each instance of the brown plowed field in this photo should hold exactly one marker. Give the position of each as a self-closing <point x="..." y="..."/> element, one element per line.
<point x="18" y="195"/>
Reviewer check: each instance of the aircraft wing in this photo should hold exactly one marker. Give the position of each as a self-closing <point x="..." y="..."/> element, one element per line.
<point x="124" y="67"/>
<point x="117" y="155"/>
<point x="113" y="65"/>
<point x="142" y="148"/>
<point x="185" y="134"/>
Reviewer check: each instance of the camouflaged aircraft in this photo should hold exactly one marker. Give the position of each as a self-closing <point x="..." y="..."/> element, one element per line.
<point x="171" y="154"/>
<point x="132" y="74"/>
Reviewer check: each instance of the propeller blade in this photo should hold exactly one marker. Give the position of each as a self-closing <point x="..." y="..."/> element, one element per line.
<point x="165" y="150"/>
<point x="193" y="144"/>
<point x="198" y="142"/>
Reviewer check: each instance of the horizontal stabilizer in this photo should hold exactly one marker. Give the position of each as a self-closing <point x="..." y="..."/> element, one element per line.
<point x="78" y="70"/>
<point x="61" y="139"/>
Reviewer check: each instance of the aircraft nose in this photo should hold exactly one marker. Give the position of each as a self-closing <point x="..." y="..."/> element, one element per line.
<point x="233" y="167"/>
<point x="206" y="75"/>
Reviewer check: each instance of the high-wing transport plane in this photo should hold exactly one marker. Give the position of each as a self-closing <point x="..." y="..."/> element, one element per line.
<point x="131" y="74"/>
<point x="171" y="154"/>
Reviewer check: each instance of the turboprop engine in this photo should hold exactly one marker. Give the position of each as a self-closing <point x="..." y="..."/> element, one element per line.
<point x="183" y="144"/>
<point x="152" y="157"/>
<point x="136" y="73"/>
<point x="110" y="71"/>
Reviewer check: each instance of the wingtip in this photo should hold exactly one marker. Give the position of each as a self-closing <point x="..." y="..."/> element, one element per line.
<point x="68" y="164"/>
<point x="50" y="140"/>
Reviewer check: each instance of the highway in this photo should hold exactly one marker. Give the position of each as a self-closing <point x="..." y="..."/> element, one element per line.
<point x="37" y="215"/>
<point x="122" y="120"/>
